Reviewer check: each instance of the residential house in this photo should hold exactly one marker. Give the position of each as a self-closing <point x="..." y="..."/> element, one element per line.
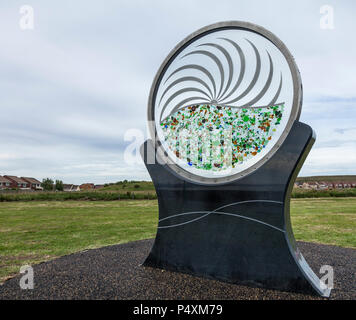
<point x="338" y="185"/>
<point x="313" y="185"/>
<point x="305" y="185"/>
<point x="70" y="187"/>
<point x="67" y="187"/>
<point x="87" y="186"/>
<point x="323" y="185"/>
<point x="17" y="182"/>
<point x="4" y="183"/>
<point x="34" y="183"/>
<point x="298" y="184"/>
<point x="330" y="185"/>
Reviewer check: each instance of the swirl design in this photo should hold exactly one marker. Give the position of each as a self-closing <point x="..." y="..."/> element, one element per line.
<point x="203" y="214"/>
<point x="223" y="90"/>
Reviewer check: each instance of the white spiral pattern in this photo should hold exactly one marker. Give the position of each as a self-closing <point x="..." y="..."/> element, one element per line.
<point x="221" y="90"/>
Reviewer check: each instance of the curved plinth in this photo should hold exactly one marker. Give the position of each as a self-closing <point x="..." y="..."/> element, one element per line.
<point x="238" y="232"/>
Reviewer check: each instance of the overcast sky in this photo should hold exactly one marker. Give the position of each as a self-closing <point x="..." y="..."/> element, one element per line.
<point x="74" y="84"/>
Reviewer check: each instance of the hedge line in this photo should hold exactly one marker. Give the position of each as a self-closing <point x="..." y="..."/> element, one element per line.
<point x="111" y="196"/>
<point x="324" y="193"/>
<point x="62" y="196"/>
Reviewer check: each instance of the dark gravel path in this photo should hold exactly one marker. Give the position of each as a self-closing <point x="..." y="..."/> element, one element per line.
<point x="114" y="272"/>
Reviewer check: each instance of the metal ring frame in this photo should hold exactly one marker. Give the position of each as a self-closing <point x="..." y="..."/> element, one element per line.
<point x="295" y="112"/>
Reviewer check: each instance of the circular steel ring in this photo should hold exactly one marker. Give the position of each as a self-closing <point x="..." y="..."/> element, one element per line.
<point x="295" y="110"/>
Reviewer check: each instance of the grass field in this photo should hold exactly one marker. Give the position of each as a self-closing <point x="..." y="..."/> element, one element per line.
<point x="325" y="220"/>
<point x="36" y="231"/>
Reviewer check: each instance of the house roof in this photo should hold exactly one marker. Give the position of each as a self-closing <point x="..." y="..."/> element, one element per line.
<point x="67" y="186"/>
<point x="3" y="179"/>
<point x="31" y="180"/>
<point x="84" y="185"/>
<point x="16" y="179"/>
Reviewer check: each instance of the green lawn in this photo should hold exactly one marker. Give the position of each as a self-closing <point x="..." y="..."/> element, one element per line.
<point x="36" y="231"/>
<point x="325" y="220"/>
<point x="32" y="232"/>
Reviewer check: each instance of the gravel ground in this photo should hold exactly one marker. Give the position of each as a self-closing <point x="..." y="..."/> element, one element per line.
<point x="114" y="272"/>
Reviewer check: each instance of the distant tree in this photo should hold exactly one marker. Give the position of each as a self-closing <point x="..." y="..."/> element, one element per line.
<point x="59" y="185"/>
<point x="47" y="184"/>
<point x="125" y="181"/>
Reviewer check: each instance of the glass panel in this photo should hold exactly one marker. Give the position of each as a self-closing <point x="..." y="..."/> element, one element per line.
<point x="223" y="102"/>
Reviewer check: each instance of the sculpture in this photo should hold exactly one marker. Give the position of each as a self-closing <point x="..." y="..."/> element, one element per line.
<point x="225" y="151"/>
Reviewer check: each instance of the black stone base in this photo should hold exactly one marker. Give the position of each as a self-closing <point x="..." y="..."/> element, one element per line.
<point x="239" y="232"/>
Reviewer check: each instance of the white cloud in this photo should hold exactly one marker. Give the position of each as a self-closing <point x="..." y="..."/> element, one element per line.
<point x="337" y="160"/>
